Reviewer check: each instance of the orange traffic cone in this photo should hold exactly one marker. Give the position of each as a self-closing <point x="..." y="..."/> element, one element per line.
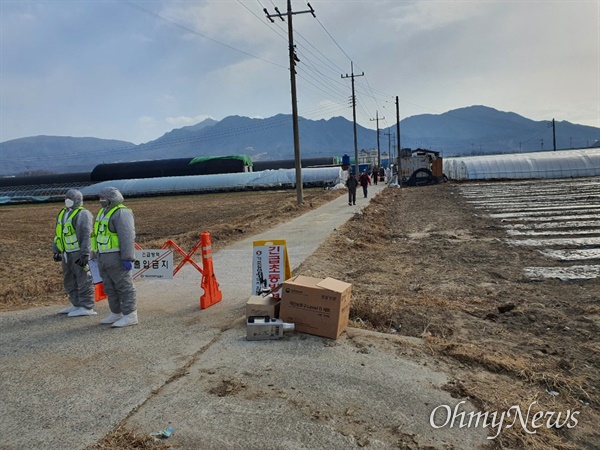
<point x="212" y="292"/>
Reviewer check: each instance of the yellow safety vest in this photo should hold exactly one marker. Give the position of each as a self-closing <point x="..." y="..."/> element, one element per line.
<point x="104" y="240"/>
<point x="66" y="237"/>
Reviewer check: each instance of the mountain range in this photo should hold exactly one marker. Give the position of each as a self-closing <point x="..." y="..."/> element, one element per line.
<point x="465" y="131"/>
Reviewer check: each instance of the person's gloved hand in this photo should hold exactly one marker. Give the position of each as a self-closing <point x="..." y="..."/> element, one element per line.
<point x="82" y="261"/>
<point x="127" y="265"/>
<point x="57" y="257"/>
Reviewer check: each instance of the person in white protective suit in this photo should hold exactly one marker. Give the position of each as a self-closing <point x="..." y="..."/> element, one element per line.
<point x="113" y="242"/>
<point x="72" y="246"/>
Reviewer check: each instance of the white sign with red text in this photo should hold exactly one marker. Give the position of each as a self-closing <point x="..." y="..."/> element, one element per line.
<point x="157" y="263"/>
<point x="270" y="266"/>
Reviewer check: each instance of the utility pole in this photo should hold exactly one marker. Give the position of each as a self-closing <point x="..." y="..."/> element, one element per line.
<point x="354" y="114"/>
<point x="390" y="158"/>
<point x="398" y="137"/>
<point x="378" y="149"/>
<point x="293" y="60"/>
<point x="551" y="124"/>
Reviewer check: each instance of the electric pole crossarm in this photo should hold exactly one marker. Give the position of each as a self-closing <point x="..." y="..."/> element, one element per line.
<point x="293" y="13"/>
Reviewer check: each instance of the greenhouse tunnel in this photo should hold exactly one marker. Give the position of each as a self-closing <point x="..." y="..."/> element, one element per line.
<point x="553" y="164"/>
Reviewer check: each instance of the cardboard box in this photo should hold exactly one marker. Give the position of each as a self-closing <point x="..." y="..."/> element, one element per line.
<point x="315" y="305"/>
<point x="263" y="306"/>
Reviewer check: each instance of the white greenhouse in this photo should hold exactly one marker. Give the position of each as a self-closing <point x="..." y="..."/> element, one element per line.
<point x="551" y="164"/>
<point x="224" y="182"/>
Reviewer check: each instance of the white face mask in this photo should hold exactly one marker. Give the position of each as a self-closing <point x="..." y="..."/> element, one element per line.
<point x="68" y="203"/>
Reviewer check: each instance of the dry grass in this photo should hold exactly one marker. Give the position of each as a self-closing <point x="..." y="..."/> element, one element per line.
<point x="423" y="265"/>
<point x="123" y="438"/>
<point x="496" y="398"/>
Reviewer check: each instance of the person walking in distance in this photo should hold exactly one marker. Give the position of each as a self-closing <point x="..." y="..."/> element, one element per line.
<point x="114" y="245"/>
<point x="375" y="175"/>
<point x="364" y="181"/>
<point x="351" y="184"/>
<point x="72" y="246"/>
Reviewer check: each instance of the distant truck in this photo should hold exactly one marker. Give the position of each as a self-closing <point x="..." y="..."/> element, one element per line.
<point x="420" y="167"/>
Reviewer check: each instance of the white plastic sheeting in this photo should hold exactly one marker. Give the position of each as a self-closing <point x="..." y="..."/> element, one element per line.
<point x="559" y="164"/>
<point x="229" y="181"/>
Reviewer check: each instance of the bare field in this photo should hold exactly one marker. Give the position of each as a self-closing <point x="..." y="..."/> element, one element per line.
<point x="423" y="263"/>
<point x="29" y="277"/>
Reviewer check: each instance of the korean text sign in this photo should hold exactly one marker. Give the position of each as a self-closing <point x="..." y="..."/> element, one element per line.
<point x="270" y="266"/>
<point x="156" y="263"/>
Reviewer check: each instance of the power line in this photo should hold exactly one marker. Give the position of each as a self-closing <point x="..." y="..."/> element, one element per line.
<point x="334" y="41"/>
<point x="314" y="63"/>
<point x="323" y="60"/>
<point x="191" y="30"/>
<point x="333" y="66"/>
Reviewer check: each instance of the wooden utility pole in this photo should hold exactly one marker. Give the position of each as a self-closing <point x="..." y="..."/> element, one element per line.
<point x="378" y="149"/>
<point x="389" y="134"/>
<point x="354" y="115"/>
<point x="398" y="137"/>
<point x="293" y="60"/>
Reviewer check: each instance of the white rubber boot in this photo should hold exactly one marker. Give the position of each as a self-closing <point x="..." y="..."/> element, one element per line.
<point x="126" y="320"/>
<point x="68" y="310"/>
<point x="81" y="311"/>
<point x="111" y="318"/>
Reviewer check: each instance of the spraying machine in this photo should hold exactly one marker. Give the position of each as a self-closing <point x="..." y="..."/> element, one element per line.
<point x="420" y="167"/>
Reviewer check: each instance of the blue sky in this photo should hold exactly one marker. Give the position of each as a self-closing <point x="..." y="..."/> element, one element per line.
<point x="134" y="70"/>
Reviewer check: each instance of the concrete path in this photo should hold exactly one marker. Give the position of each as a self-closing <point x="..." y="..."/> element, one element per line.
<point x="67" y="382"/>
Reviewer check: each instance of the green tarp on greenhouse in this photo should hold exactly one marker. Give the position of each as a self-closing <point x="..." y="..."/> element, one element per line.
<point x="244" y="158"/>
